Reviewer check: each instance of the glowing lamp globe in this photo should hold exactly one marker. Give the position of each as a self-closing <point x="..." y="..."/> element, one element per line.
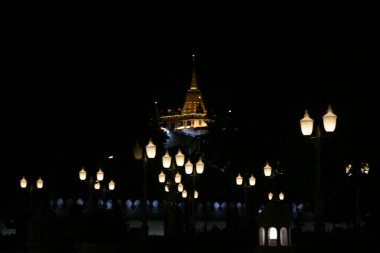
<point x="199" y="166"/>
<point x="40" y="183"/>
<point x="252" y="180"/>
<point x="82" y="174"/>
<point x="166" y="160"/>
<point x="239" y="179"/>
<point x="179" y="158"/>
<point x="150" y="149"/>
<point x="267" y="170"/>
<point x="188" y="167"/>
<point x="306" y="124"/>
<point x="329" y="120"/>
<point x="161" y="177"/>
<point x="23" y="182"/>
<point x="100" y="175"/>
<point x="111" y="185"/>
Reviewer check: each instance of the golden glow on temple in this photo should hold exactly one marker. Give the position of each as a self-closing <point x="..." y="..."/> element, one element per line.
<point x="193" y="113"/>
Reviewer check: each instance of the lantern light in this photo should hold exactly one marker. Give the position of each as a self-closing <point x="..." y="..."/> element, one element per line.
<point x="82" y="174"/>
<point x="239" y="179"/>
<point x="23" y="182"/>
<point x="150" y="149"/>
<point x="306" y="124"/>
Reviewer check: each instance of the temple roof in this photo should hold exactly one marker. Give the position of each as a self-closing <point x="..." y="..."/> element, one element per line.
<point x="193" y="102"/>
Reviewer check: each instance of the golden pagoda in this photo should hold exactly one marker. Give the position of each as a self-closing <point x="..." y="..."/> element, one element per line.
<point x="193" y="117"/>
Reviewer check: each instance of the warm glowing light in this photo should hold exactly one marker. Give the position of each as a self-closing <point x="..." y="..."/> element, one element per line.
<point x="196" y="194"/>
<point x="82" y="174"/>
<point x="267" y="170"/>
<point x="166" y="160"/>
<point x="40" y="183"/>
<point x="179" y="158"/>
<point x="306" y="124"/>
<point x="161" y="177"/>
<point x="365" y="168"/>
<point x="150" y="149"/>
<point x="100" y="175"/>
<point x="180" y="187"/>
<point x="270" y="195"/>
<point x="111" y="185"/>
<point x="239" y="179"/>
<point x="166" y="188"/>
<point x="23" y="182"/>
<point x="188" y="167"/>
<point x="252" y="180"/>
<point x="200" y="166"/>
<point x="137" y="151"/>
<point x="349" y="170"/>
<point x="177" y="178"/>
<point x="184" y="194"/>
<point x="281" y="196"/>
<point x="97" y="185"/>
<point x="329" y="120"/>
<point x="272" y="233"/>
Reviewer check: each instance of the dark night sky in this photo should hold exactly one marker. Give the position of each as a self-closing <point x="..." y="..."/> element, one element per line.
<point x="73" y="88"/>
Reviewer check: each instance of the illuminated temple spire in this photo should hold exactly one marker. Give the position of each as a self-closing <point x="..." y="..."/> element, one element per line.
<point x="194" y="85"/>
<point x="193" y="102"/>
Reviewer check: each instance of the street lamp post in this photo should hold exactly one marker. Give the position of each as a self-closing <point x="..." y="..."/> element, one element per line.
<point x="245" y="184"/>
<point x="356" y="172"/>
<point x="143" y="155"/>
<point x="274" y="174"/>
<point x="171" y="179"/>
<point x="246" y="181"/>
<point x="329" y="124"/>
<point x="95" y="185"/>
<point x="32" y="189"/>
<point x="189" y="170"/>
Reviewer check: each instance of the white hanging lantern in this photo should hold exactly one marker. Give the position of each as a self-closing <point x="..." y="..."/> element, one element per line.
<point x="196" y="195"/>
<point x="100" y="175"/>
<point x="179" y="158"/>
<point x="252" y="180"/>
<point x="177" y="178"/>
<point x="239" y="179"/>
<point x="150" y="149"/>
<point x="82" y="174"/>
<point x="200" y="166"/>
<point x="97" y="185"/>
<point x="111" y="185"/>
<point x="166" y="160"/>
<point x="188" y="167"/>
<point x="166" y="188"/>
<point x="23" y="182"/>
<point x="329" y="120"/>
<point x="161" y="177"/>
<point x="40" y="183"/>
<point x="180" y="187"/>
<point x="281" y="196"/>
<point x="306" y="124"/>
<point x="267" y="170"/>
<point x="184" y="194"/>
<point x="270" y="195"/>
